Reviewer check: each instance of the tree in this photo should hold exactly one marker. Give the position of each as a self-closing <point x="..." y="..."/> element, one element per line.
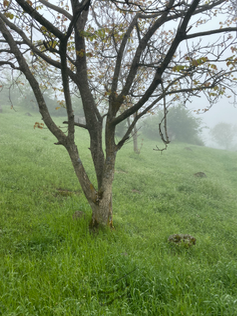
<point x="182" y="126"/>
<point x="18" y="92"/>
<point x="6" y="86"/>
<point x="124" y="57"/>
<point x="223" y="134"/>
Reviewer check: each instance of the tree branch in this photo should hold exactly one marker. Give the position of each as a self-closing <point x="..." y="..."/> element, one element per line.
<point x="206" y="33"/>
<point x="140" y="49"/>
<point x="120" y="55"/>
<point x="56" y="8"/>
<point x="38" y="17"/>
<point x="65" y="80"/>
<point x="33" y="47"/>
<point x="77" y="124"/>
<point x="13" y="66"/>
<point x="180" y="35"/>
<point x="33" y="82"/>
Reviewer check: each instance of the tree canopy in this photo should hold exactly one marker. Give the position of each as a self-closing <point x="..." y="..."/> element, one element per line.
<point x="123" y="58"/>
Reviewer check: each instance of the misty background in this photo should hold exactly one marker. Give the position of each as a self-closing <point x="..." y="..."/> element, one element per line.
<point x="222" y="113"/>
<point x="225" y="111"/>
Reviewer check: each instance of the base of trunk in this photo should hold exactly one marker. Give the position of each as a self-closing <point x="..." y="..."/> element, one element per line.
<point x="102" y="214"/>
<point x="95" y="226"/>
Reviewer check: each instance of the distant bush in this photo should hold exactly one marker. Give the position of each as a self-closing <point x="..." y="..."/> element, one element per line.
<point x="182" y="126"/>
<point x="224" y="135"/>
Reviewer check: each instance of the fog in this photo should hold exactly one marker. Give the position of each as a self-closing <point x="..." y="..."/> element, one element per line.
<point x="222" y="112"/>
<point x="225" y="111"/>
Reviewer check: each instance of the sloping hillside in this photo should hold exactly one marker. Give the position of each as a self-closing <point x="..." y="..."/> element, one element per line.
<point x="52" y="265"/>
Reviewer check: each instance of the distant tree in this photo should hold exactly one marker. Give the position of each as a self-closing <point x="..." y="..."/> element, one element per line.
<point x="18" y="93"/>
<point x="134" y="135"/>
<point x="224" y="134"/>
<point x="29" y="102"/>
<point x="6" y="90"/>
<point x="130" y="55"/>
<point x="182" y="126"/>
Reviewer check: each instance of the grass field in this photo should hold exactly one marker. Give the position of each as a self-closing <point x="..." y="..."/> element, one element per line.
<point x="51" y="264"/>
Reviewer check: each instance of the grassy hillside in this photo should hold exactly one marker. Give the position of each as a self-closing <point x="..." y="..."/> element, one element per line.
<point x="51" y="264"/>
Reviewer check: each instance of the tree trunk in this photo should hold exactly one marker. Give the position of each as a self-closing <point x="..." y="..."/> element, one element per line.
<point x="134" y="136"/>
<point x="100" y="200"/>
<point x="102" y="212"/>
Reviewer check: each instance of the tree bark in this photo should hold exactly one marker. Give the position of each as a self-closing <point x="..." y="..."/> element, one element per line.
<point x="100" y="200"/>
<point x="134" y="136"/>
<point x="102" y="211"/>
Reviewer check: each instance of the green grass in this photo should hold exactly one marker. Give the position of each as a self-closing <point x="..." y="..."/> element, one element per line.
<point x="50" y="264"/>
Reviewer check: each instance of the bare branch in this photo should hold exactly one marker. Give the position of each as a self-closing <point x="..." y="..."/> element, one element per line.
<point x="13" y="66"/>
<point x="33" y="82"/>
<point x="38" y="17"/>
<point x="120" y="55"/>
<point x="56" y="8"/>
<point x="211" y="32"/>
<point x="140" y="49"/>
<point x="77" y="124"/>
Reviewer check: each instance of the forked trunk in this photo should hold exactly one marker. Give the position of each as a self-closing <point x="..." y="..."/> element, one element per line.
<point x="101" y="200"/>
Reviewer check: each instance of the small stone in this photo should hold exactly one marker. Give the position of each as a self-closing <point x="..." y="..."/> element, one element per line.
<point x="78" y="214"/>
<point x="136" y="191"/>
<point x="200" y="175"/>
<point x="185" y="239"/>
